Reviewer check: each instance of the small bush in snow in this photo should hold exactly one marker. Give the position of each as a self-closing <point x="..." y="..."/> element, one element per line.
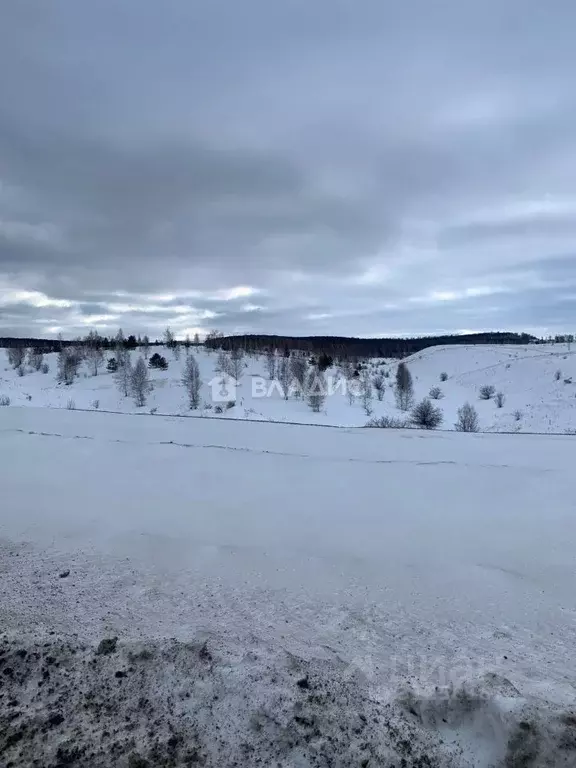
<point x="558" y="375"/>
<point x="568" y="381"/>
<point x="507" y="365"/>
<point x="426" y="415"/>
<point x="112" y="365"/>
<point x="500" y="399"/>
<point x="388" y="422"/>
<point x="159" y="362"/>
<point x="96" y="404"/>
<point x="44" y="367"/>
<point x="230" y="404"/>
<point x="487" y="391"/>
<point x="218" y="409"/>
<point x="443" y="376"/>
<point x="436" y="393"/>
<point x="518" y="415"/>
<point x="467" y="419"/>
<point x="71" y="405"/>
<point x="20" y="370"/>
<point x="4" y="400"/>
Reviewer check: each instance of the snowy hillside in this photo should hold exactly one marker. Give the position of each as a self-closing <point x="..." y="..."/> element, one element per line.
<point x="535" y="400"/>
<point x="261" y="594"/>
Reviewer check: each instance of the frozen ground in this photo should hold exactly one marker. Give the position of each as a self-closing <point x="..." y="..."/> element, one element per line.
<point x="283" y="595"/>
<point x="526" y="376"/>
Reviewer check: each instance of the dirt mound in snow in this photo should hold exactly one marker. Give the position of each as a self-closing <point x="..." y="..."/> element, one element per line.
<point x="168" y="703"/>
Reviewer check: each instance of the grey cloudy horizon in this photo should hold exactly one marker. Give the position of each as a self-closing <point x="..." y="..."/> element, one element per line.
<point x="321" y="167"/>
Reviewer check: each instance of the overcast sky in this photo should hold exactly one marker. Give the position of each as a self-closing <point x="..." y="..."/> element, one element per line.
<point x="357" y="167"/>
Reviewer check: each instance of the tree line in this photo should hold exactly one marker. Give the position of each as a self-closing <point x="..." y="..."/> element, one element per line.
<point x="351" y="347"/>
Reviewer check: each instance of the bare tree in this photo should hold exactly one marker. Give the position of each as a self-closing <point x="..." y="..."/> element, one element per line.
<point x="299" y="369"/>
<point x="316" y="390"/>
<point x="68" y="364"/>
<point x="467" y="419"/>
<point x="95" y="357"/>
<point x="176" y="350"/>
<point x="366" y="395"/>
<point x="191" y="381"/>
<point x="379" y="384"/>
<point x="139" y="382"/>
<point x="169" y="338"/>
<point x="16" y="356"/>
<point x="271" y="363"/>
<point x="196" y="340"/>
<point x="223" y="363"/>
<point x="426" y="416"/>
<point x="146" y="347"/>
<point x="237" y="363"/>
<point x="123" y="375"/>
<point x="120" y="340"/>
<point x="404" y="387"/>
<point x="284" y="376"/>
<point x="35" y="358"/>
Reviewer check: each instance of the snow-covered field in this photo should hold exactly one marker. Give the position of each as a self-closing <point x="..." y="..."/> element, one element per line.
<point x="285" y="595"/>
<point x="535" y="401"/>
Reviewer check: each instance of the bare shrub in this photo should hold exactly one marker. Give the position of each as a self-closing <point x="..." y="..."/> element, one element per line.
<point x="44" y="367"/>
<point x="96" y="404"/>
<point x="218" y="409"/>
<point x="518" y="415"/>
<point x="436" y="393"/>
<point x="500" y="399"/>
<point x="426" y="415"/>
<point x="486" y="391"/>
<point x="4" y="400"/>
<point x="20" y="371"/>
<point x="230" y="404"/>
<point x="71" y="405"/>
<point x="443" y="376"/>
<point x="558" y="375"/>
<point x="388" y="422"/>
<point x="467" y="419"/>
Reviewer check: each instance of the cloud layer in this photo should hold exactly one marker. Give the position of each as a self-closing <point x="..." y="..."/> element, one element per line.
<point x="331" y="167"/>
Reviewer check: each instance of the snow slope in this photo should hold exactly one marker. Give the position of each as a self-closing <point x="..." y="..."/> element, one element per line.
<point x="526" y="376"/>
<point x="284" y="595"/>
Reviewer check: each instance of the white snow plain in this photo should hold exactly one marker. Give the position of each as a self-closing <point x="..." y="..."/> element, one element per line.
<point x="526" y="375"/>
<point x="283" y="595"/>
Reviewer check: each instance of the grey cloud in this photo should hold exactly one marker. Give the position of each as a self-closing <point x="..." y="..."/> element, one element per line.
<point x="291" y="147"/>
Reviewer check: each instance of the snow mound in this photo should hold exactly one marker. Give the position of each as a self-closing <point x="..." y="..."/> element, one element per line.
<point x="213" y="703"/>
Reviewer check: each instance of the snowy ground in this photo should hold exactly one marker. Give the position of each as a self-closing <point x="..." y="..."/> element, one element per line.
<point x="283" y="595"/>
<point x="526" y="376"/>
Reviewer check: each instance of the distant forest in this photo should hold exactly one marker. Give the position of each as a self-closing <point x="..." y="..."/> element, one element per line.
<point x="345" y="347"/>
<point x="335" y="346"/>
